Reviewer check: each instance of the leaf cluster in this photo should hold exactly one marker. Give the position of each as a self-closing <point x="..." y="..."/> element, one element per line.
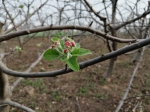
<point x="67" y="54"/>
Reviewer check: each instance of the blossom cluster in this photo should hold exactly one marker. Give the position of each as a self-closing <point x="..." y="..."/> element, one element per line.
<point x="68" y="46"/>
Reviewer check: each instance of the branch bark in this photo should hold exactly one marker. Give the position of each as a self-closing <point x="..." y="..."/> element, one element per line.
<point x="129" y="84"/>
<point x="35" y="30"/>
<point x="82" y="65"/>
<point x="27" y="71"/>
<point x="133" y="20"/>
<point x="15" y="104"/>
<point x="5" y="91"/>
<point x="27" y="17"/>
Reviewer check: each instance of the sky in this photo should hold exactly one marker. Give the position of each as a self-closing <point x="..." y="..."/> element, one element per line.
<point x="121" y="3"/>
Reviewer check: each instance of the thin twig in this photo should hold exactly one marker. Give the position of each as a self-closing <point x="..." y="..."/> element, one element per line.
<point x="130" y="82"/>
<point x="82" y="65"/>
<point x="15" y="104"/>
<point x="71" y="27"/>
<point x="27" y="71"/>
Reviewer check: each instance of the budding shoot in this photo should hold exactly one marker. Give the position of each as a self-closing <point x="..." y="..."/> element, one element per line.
<point x="65" y="50"/>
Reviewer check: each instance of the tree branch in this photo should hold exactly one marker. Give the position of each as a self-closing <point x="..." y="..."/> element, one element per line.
<point x="133" y="20"/>
<point x="27" y="17"/>
<point x="15" y="104"/>
<point x="82" y="65"/>
<point x="91" y="8"/>
<point x="35" y="30"/>
<point x="129" y="84"/>
<point x="27" y="71"/>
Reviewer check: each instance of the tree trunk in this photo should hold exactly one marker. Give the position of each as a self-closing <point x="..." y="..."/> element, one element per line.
<point x="5" y="91"/>
<point x="114" y="44"/>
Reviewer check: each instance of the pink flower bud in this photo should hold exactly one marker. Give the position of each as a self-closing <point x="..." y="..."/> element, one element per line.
<point x="73" y="44"/>
<point x="53" y="46"/>
<point x="68" y="44"/>
<point x="65" y="50"/>
<point x="57" y="42"/>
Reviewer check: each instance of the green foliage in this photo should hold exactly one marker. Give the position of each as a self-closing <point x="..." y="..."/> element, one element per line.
<point x="36" y="83"/>
<point x="21" y="6"/>
<point x="80" y="52"/>
<point x="65" y="50"/>
<point x="51" y="54"/>
<point x="83" y="90"/>
<point x="72" y="63"/>
<point x="32" y="105"/>
<point x="54" y="39"/>
<point x="56" y="95"/>
<point x="58" y="34"/>
<point x="101" y="96"/>
<point x="147" y="83"/>
<point x="18" y="49"/>
<point x="103" y="81"/>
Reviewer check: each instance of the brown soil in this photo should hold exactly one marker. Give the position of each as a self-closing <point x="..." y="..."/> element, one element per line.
<point x="83" y="91"/>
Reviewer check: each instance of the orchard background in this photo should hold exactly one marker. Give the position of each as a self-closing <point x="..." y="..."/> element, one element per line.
<point x="115" y="77"/>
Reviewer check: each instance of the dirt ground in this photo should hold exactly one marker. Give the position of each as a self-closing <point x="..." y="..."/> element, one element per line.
<point x="83" y="91"/>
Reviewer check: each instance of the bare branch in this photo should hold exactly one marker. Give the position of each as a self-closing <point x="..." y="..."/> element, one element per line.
<point x="91" y="8"/>
<point x="15" y="104"/>
<point x="133" y="20"/>
<point x="82" y="65"/>
<point x="26" y="32"/>
<point x="27" y="71"/>
<point x="28" y="17"/>
<point x="130" y="82"/>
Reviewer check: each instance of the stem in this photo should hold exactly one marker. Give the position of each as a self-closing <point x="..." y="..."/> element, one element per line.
<point x="129" y="84"/>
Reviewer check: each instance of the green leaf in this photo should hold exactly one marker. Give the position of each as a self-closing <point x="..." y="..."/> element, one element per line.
<point x="80" y="52"/>
<point x="18" y="48"/>
<point x="62" y="42"/>
<point x="21" y="6"/>
<point x="63" y="58"/>
<point x="72" y="63"/>
<point x="54" y="39"/>
<point x="59" y="48"/>
<point x="68" y="55"/>
<point x="69" y="39"/>
<point x="51" y="54"/>
<point x="59" y="34"/>
<point x="77" y="45"/>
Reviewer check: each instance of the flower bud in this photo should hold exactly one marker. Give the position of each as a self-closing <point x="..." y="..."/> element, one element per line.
<point x="53" y="46"/>
<point x="68" y="44"/>
<point x="57" y="42"/>
<point x="65" y="50"/>
<point x="72" y="44"/>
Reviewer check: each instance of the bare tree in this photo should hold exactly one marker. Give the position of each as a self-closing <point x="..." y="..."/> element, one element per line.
<point x="77" y="15"/>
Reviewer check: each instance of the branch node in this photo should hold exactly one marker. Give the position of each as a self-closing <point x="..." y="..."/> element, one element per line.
<point x="51" y="25"/>
<point x="66" y="67"/>
<point x="28" y="31"/>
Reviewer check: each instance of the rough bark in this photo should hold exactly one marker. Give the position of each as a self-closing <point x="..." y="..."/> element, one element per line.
<point x="114" y="44"/>
<point x="5" y="92"/>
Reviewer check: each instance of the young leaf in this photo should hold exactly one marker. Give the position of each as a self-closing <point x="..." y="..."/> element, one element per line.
<point x="51" y="54"/>
<point x="68" y="55"/>
<point x="62" y="42"/>
<point x="69" y="39"/>
<point x="59" y="34"/>
<point x="63" y="58"/>
<point x="72" y="63"/>
<point x="54" y="39"/>
<point x="21" y="6"/>
<point x="77" y="45"/>
<point x="59" y="48"/>
<point x="18" y="48"/>
<point x="80" y="52"/>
